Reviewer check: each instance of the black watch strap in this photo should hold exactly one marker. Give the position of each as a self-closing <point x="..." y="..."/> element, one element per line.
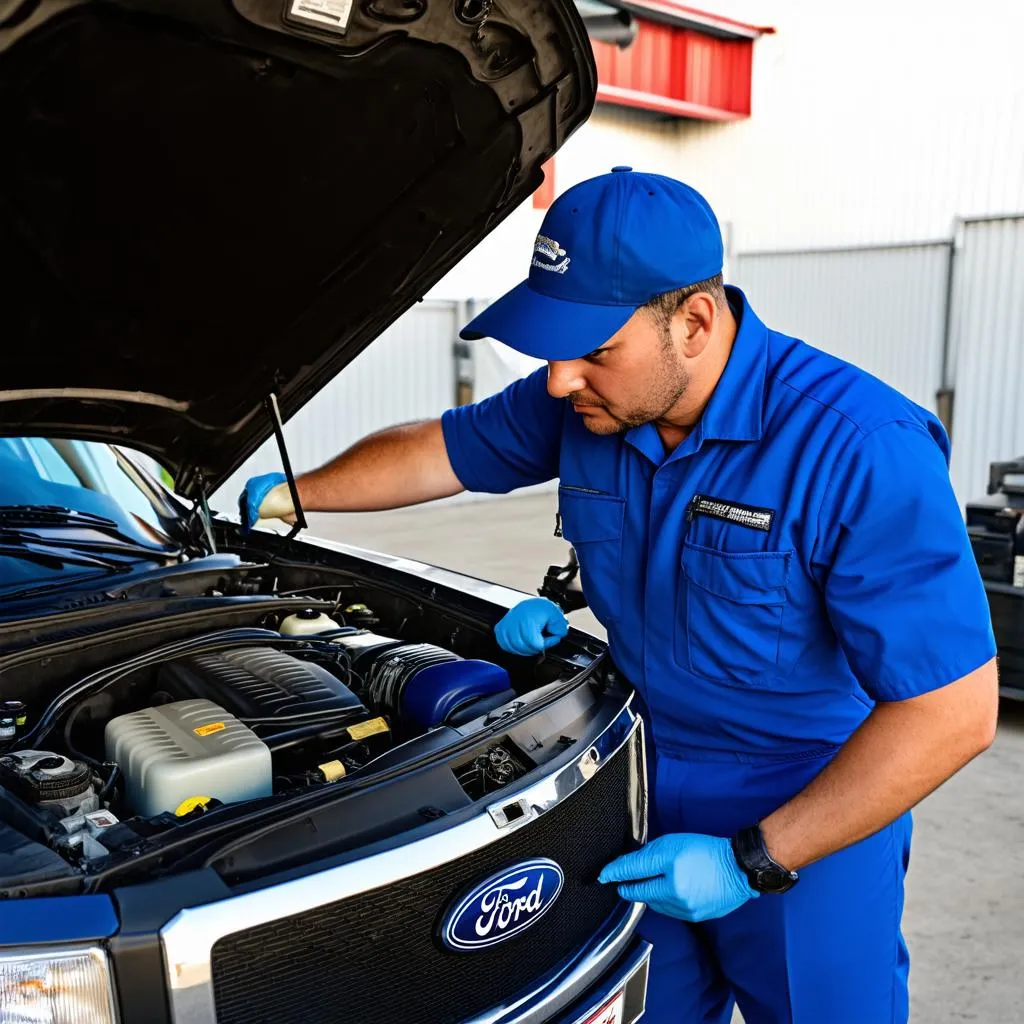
<point x="763" y="873"/>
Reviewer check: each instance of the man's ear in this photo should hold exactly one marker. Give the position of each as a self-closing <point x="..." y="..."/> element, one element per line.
<point x="692" y="323"/>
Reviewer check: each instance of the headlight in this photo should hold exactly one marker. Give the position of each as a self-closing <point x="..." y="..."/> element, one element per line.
<point x="57" y="987"/>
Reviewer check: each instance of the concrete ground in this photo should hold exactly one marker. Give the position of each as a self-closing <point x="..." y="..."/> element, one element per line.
<point x="965" y="901"/>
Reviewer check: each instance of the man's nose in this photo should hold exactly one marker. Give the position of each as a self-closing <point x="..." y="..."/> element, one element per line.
<point x="565" y="378"/>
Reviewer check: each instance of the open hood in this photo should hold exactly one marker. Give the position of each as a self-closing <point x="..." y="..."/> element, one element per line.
<point x="203" y="202"/>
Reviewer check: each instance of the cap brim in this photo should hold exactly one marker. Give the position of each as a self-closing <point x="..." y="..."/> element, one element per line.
<point x="546" y="328"/>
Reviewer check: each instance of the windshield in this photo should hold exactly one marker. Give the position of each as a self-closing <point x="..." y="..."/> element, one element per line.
<point x="67" y="505"/>
<point x="85" y="476"/>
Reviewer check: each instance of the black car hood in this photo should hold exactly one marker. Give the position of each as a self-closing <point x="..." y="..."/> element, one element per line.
<point x="202" y="203"/>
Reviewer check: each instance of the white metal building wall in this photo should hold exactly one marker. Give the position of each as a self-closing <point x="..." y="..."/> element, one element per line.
<point x="885" y="308"/>
<point x="987" y="343"/>
<point x="881" y="308"/>
<point x="877" y="124"/>
<point x="406" y="374"/>
<point x="874" y="122"/>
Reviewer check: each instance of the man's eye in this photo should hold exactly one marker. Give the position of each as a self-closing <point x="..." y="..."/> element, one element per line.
<point x="597" y="356"/>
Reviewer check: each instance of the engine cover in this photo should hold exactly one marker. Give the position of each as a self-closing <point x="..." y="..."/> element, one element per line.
<point x="258" y="682"/>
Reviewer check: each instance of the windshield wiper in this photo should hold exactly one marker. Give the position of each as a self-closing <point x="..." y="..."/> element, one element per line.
<point x="52" y="515"/>
<point x="55" y="560"/>
<point x="58" y="585"/>
<point x="15" y="538"/>
<point x="52" y="560"/>
<point x="18" y="523"/>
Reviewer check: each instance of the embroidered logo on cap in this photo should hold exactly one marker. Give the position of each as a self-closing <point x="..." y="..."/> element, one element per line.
<point x="554" y="257"/>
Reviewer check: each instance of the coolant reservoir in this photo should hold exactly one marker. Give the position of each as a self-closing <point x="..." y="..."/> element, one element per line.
<point x="307" y="622"/>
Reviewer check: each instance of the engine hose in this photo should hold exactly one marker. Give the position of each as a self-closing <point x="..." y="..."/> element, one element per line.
<point x="295" y="737"/>
<point x="115" y="772"/>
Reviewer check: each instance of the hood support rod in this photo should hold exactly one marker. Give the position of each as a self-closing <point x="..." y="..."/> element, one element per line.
<point x="274" y="412"/>
<point x="203" y="507"/>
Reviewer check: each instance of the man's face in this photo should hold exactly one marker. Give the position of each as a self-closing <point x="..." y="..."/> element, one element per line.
<point x="634" y="378"/>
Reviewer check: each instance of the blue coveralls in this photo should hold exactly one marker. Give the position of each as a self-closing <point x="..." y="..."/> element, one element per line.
<point x="824" y="565"/>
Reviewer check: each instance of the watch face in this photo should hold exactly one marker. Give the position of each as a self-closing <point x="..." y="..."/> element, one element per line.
<point x="774" y="880"/>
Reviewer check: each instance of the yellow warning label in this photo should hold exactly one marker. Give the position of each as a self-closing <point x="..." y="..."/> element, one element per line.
<point x="189" y="805"/>
<point x="361" y="730"/>
<point x="205" y="730"/>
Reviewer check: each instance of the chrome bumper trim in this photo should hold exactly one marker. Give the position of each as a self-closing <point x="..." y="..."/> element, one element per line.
<point x="630" y="977"/>
<point x="573" y="979"/>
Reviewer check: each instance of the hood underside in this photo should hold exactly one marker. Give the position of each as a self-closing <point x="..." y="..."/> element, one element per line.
<point x="204" y="203"/>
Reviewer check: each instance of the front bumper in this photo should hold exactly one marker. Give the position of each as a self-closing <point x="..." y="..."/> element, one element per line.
<point x="615" y="961"/>
<point x="629" y="976"/>
<point x="167" y="949"/>
<point x="241" y="959"/>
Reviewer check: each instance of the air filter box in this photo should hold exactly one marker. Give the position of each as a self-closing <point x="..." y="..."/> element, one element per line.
<point x="188" y="748"/>
<point x="426" y="686"/>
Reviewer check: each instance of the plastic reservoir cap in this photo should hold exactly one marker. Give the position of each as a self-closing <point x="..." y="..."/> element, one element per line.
<point x="189" y="805"/>
<point x="434" y="693"/>
<point x="307" y="622"/>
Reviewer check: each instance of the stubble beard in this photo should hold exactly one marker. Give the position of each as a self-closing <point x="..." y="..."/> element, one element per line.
<point x="670" y="385"/>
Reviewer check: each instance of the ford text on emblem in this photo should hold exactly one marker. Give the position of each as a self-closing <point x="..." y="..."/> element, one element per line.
<point x="503" y="905"/>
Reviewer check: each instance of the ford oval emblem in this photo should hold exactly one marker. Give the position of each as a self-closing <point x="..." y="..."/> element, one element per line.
<point x="503" y="905"/>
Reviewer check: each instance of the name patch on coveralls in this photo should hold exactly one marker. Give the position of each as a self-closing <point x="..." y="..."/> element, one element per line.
<point x="732" y="512"/>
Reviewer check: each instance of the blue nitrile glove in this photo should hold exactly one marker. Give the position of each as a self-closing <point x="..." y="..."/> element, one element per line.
<point x="256" y="490"/>
<point x="690" y="877"/>
<point x="532" y="626"/>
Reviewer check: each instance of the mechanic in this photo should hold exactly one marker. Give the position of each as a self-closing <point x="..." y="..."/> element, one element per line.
<point x="770" y="537"/>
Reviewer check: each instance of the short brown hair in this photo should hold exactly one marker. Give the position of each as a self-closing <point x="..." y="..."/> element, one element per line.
<point x="663" y="307"/>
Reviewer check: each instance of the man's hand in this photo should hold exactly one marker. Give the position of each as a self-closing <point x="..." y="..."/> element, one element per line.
<point x="531" y="627"/>
<point x="265" y="497"/>
<point x="690" y="877"/>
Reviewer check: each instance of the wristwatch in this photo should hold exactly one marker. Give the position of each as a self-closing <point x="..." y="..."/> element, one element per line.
<point x="763" y="873"/>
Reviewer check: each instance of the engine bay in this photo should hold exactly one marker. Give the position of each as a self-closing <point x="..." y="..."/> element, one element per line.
<point x="257" y="709"/>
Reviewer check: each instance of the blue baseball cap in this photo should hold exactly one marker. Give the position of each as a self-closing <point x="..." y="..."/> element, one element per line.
<point x="607" y="247"/>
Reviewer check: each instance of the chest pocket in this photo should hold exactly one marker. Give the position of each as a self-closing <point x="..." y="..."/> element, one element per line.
<point x="732" y="604"/>
<point x="592" y="523"/>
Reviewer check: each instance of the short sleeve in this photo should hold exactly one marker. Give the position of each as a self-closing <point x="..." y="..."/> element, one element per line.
<point x="509" y="440"/>
<point x="902" y="587"/>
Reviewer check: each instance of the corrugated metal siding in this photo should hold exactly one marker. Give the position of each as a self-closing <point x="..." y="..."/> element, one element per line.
<point x="882" y="309"/>
<point x="646" y="65"/>
<point x="713" y="72"/>
<point x="987" y="334"/>
<point x="406" y="374"/>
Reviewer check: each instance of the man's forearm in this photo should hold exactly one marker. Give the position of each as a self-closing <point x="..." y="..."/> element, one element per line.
<point x="899" y="755"/>
<point x="399" y="466"/>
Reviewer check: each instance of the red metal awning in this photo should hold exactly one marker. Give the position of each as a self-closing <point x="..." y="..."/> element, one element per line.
<point x="683" y="63"/>
<point x="672" y="13"/>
